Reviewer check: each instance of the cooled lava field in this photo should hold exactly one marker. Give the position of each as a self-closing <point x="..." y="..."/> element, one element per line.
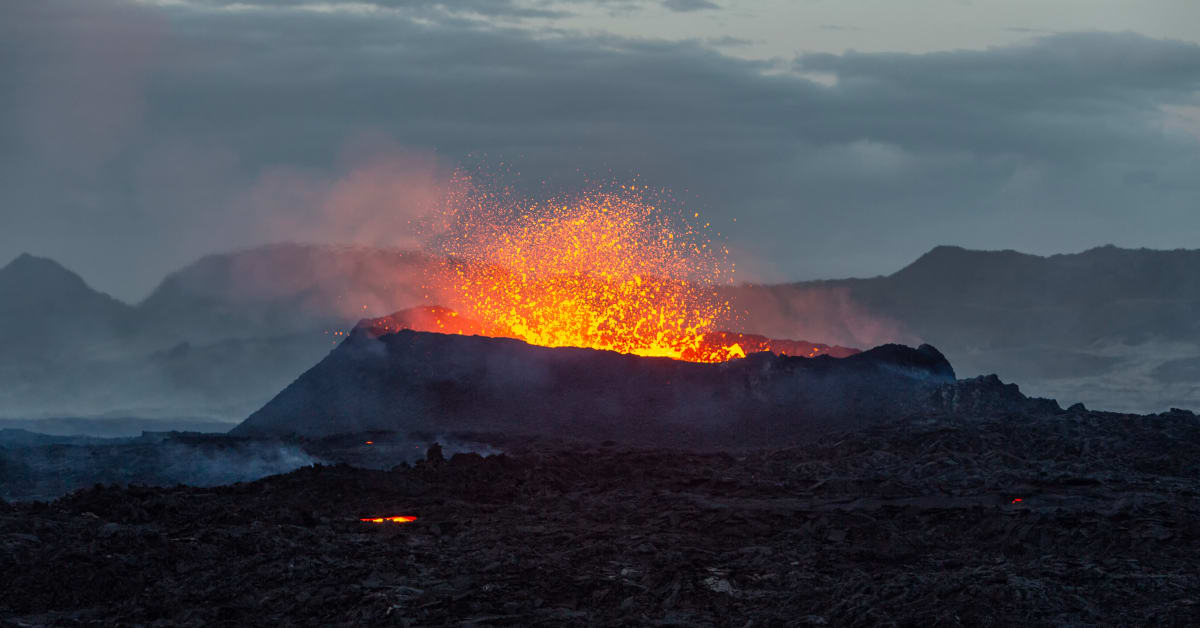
<point x="1080" y="518"/>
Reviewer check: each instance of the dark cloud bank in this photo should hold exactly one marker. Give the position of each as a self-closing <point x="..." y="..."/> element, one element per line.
<point x="134" y="138"/>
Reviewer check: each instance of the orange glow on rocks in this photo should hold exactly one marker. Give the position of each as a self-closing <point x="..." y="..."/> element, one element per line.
<point x="608" y="270"/>
<point x="396" y="519"/>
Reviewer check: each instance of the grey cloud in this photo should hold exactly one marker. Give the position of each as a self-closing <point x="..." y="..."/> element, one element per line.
<point x="489" y="8"/>
<point x="1044" y="147"/>
<point x="1090" y="64"/>
<point x="683" y="6"/>
<point x="728" y="42"/>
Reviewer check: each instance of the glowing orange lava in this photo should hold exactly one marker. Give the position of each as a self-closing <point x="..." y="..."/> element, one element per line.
<point x="609" y="270"/>
<point x="397" y="519"/>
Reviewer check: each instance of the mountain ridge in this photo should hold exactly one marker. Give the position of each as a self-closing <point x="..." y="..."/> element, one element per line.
<point x="1108" y="326"/>
<point x="45" y="307"/>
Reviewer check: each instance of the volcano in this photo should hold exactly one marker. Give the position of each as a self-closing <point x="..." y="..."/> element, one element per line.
<point x="407" y="381"/>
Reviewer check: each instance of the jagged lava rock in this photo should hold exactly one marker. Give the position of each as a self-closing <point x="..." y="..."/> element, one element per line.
<point x="986" y="395"/>
<point x="417" y="381"/>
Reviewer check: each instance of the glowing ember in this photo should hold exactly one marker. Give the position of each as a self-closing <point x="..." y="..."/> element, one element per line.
<point x="397" y="519"/>
<point x="607" y="271"/>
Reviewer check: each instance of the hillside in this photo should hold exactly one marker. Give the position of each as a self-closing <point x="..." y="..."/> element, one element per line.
<point x="1111" y="327"/>
<point x="216" y="339"/>
<point x="282" y="289"/>
<point x="45" y="309"/>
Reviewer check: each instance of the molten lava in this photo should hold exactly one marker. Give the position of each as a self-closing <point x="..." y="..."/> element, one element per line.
<point x="437" y="319"/>
<point x="440" y="320"/>
<point x="396" y="519"/>
<point x="606" y="271"/>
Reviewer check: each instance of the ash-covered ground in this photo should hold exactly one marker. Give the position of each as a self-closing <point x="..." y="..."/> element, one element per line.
<point x="912" y="523"/>
<point x="44" y="467"/>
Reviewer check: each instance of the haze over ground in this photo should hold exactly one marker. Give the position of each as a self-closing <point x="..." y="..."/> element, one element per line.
<point x="846" y="138"/>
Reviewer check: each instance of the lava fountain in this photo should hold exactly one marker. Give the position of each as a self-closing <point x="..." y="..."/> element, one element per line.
<point x="606" y="270"/>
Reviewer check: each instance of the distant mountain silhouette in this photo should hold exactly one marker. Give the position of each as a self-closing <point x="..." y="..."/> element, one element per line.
<point x="1001" y="298"/>
<point x="45" y="308"/>
<point x="1049" y="323"/>
<point x="282" y="289"/>
<point x="215" y="339"/>
<point x="995" y="299"/>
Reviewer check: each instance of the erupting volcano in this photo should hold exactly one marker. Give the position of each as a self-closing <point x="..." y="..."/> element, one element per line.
<point x="607" y="270"/>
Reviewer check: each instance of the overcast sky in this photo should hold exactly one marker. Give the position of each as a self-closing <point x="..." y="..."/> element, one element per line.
<point x="847" y="138"/>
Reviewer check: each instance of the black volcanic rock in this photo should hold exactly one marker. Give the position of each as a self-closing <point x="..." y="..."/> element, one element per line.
<point x="986" y="395"/>
<point x="416" y="381"/>
<point x="1074" y="520"/>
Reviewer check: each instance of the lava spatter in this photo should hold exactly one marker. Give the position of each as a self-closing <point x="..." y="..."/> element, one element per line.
<point x="605" y="270"/>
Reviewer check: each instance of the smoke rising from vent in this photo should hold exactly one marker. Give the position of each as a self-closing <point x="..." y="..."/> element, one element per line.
<point x="378" y="195"/>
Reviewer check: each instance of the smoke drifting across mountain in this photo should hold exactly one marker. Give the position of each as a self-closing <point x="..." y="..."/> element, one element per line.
<point x="378" y="195"/>
<point x="829" y="313"/>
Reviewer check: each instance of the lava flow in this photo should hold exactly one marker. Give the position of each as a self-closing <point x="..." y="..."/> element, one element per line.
<point x="609" y="271"/>
<point x="396" y="519"/>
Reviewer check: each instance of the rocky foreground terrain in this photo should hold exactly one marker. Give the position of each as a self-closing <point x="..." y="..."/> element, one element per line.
<point x="1081" y="518"/>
